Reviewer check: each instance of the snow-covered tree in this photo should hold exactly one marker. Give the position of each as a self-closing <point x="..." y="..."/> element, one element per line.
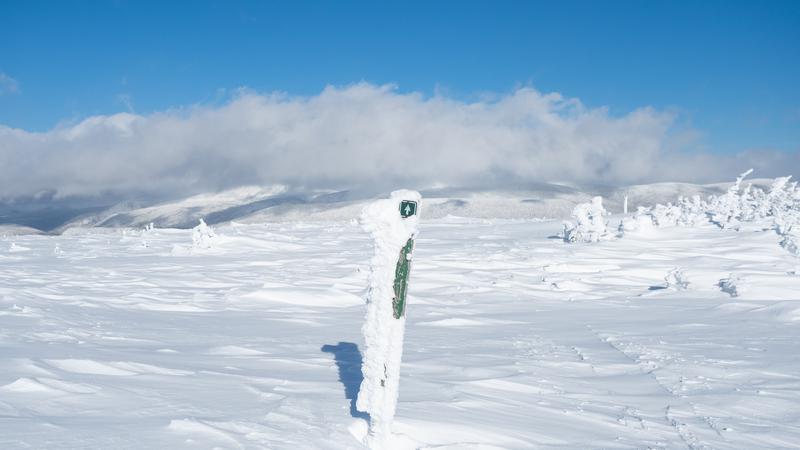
<point x="202" y="236"/>
<point x="676" y="279"/>
<point x="666" y="216"/>
<point x="692" y="211"/>
<point x="731" y="285"/>
<point x="726" y="211"/>
<point x="590" y="223"/>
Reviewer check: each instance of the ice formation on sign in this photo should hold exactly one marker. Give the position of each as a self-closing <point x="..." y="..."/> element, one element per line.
<point x="590" y="223"/>
<point x="202" y="236"/>
<point x="383" y="333"/>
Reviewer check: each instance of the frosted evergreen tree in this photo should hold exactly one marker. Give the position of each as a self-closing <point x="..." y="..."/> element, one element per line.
<point x="676" y="279"/>
<point x="202" y="236"/>
<point x="590" y="223"/>
<point x="726" y="210"/>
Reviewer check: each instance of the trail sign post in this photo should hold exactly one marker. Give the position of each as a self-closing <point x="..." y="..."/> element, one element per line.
<point x="393" y="224"/>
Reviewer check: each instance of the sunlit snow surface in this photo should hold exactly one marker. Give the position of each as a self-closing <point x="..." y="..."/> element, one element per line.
<point x="514" y="339"/>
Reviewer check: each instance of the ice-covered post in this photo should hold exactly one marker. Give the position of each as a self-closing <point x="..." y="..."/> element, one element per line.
<point x="393" y="224"/>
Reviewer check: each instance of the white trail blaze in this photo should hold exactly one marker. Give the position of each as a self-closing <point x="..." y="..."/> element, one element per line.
<point x="383" y="334"/>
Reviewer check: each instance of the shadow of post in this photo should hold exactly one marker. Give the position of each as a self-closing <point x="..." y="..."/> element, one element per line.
<point x="348" y="360"/>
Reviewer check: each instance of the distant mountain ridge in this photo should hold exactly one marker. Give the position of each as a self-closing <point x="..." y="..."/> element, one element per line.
<point x="279" y="204"/>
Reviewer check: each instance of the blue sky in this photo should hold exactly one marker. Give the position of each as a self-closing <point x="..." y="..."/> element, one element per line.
<point x="730" y="69"/>
<point x="105" y="101"/>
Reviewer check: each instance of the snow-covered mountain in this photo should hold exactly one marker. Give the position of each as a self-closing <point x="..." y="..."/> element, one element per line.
<point x="17" y="230"/>
<point x="279" y="204"/>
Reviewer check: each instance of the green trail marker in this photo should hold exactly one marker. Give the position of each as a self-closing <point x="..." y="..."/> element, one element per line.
<point x="408" y="208"/>
<point x="401" y="280"/>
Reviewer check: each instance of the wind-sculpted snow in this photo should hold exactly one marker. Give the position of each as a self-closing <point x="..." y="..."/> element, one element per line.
<point x="514" y="340"/>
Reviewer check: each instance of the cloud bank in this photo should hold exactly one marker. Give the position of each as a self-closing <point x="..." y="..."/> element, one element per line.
<point x="360" y="136"/>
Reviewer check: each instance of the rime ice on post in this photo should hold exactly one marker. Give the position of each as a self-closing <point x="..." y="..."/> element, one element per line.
<point x="393" y="224"/>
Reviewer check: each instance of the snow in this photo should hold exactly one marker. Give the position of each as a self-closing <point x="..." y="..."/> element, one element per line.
<point x="513" y="339"/>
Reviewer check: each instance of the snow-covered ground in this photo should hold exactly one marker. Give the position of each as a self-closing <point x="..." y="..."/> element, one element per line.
<point x="514" y="339"/>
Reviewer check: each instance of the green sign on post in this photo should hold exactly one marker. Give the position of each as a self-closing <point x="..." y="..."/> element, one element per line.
<point x="407" y="208"/>
<point x="401" y="280"/>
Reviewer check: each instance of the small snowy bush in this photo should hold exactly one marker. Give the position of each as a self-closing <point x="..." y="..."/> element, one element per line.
<point x="147" y="232"/>
<point x="728" y="209"/>
<point x="790" y="243"/>
<point x="676" y="279"/>
<point x="15" y="248"/>
<point x="202" y="236"/>
<point x="666" y="216"/>
<point x="692" y="211"/>
<point x="641" y="221"/>
<point x="731" y="285"/>
<point x="590" y="223"/>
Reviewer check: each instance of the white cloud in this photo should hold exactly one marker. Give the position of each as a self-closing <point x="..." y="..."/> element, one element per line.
<point x="8" y="85"/>
<point x="358" y="136"/>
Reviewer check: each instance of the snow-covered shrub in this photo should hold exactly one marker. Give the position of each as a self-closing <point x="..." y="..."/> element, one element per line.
<point x="784" y="206"/>
<point x="642" y="221"/>
<point x="666" y="216"/>
<point x="738" y="205"/>
<point x="146" y="233"/>
<point x="731" y="285"/>
<point x="781" y="204"/>
<point x="782" y="198"/>
<point x="202" y="236"/>
<point x="590" y="223"/>
<point x="692" y="211"/>
<point x="726" y="211"/>
<point x="16" y="248"/>
<point x="791" y="244"/>
<point x="676" y="279"/>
